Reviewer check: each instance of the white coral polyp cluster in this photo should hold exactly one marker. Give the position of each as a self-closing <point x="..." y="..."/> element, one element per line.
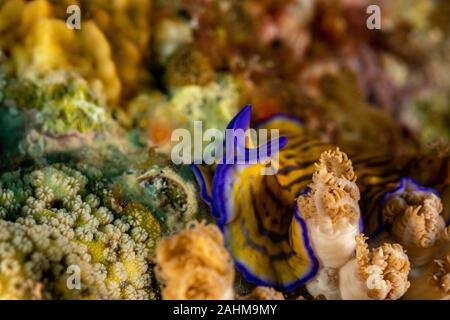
<point x="417" y="223"/>
<point x="331" y="209"/>
<point x="332" y="217"/>
<point x="194" y="265"/>
<point x="380" y="273"/>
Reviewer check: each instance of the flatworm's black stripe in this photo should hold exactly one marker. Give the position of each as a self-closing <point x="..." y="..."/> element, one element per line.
<point x="371" y="163"/>
<point x="387" y="177"/>
<point x="290" y="156"/>
<point x="294" y="140"/>
<point x="305" y="143"/>
<point x="263" y="250"/>
<point x="288" y="169"/>
<point x="250" y="242"/>
<point x="305" y="148"/>
<point x="282" y="256"/>
<point x="274" y="236"/>
<point x="272" y="196"/>
<point x="288" y="187"/>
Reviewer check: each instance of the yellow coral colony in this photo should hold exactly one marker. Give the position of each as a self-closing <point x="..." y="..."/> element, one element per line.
<point x="194" y="265"/>
<point x="380" y="273"/>
<point x="127" y="26"/>
<point x="417" y="223"/>
<point x="107" y="50"/>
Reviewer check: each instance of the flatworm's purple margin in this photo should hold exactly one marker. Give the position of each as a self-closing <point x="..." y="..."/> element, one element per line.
<point x="252" y="277"/>
<point x="361" y="223"/>
<point x="400" y="188"/>
<point x="220" y="183"/>
<point x="202" y="183"/>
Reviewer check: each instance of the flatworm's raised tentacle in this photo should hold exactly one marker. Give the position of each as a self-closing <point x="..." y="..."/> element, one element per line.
<point x="242" y="119"/>
<point x="204" y="173"/>
<point x="240" y="122"/>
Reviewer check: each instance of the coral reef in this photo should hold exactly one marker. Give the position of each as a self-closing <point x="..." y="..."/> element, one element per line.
<point x="34" y="260"/>
<point x="63" y="102"/>
<point x="56" y="113"/>
<point x="331" y="212"/>
<point x="93" y="206"/>
<point x="169" y="195"/>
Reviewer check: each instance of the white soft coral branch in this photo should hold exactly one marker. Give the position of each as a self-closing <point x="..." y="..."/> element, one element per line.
<point x="332" y="214"/>
<point x="331" y="209"/>
<point x="378" y="274"/>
